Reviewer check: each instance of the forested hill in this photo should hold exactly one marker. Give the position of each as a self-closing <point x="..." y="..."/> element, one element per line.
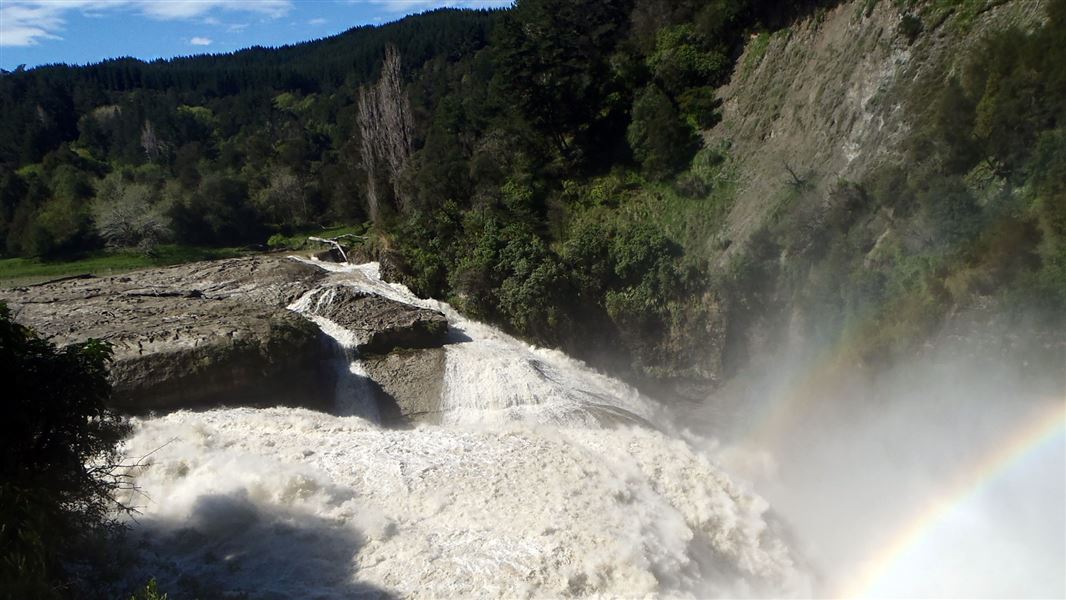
<point x="66" y="93"/>
<point x="568" y="168"/>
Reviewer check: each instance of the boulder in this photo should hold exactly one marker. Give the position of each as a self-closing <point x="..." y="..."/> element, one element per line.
<point x="410" y="384"/>
<point x="379" y="324"/>
<point x="195" y="335"/>
<point x="391" y="265"/>
<point x="239" y="356"/>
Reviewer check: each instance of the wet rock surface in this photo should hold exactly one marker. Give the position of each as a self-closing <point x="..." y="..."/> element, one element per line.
<point x="380" y="325"/>
<point x="410" y="384"/>
<point x="196" y="335"/>
<point x="274" y="280"/>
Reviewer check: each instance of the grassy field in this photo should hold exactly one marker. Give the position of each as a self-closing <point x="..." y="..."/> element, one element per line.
<point x="25" y="271"/>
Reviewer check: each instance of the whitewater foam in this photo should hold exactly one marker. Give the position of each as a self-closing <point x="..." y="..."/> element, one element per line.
<point x="258" y="501"/>
<point x="492" y="377"/>
<point x="545" y="479"/>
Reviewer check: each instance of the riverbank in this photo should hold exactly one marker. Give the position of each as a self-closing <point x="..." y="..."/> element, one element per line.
<point x="20" y="271"/>
<point x="15" y="272"/>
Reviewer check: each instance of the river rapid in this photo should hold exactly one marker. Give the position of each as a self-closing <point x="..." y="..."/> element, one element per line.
<point x="544" y="479"/>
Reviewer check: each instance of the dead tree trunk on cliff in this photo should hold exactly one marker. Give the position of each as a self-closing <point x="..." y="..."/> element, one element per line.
<point x="386" y="130"/>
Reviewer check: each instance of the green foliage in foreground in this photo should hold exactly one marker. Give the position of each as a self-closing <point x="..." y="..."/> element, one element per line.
<point x="150" y="592"/>
<point x="58" y="458"/>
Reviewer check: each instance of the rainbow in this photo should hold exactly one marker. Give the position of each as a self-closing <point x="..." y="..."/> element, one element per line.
<point x="1025" y="440"/>
<point x="821" y="380"/>
<point x="826" y="367"/>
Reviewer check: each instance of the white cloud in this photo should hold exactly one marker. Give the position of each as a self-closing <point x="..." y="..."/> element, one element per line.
<point x="317" y="21"/>
<point x="24" y="25"/>
<point x="200" y="41"/>
<point x="28" y="22"/>
<point x="185" y="9"/>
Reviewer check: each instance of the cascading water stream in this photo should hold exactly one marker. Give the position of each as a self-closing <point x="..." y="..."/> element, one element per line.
<point x="545" y="478"/>
<point x="353" y="395"/>
<point x="489" y="375"/>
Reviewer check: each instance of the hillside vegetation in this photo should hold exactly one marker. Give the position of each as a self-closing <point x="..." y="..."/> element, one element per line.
<point x="563" y="169"/>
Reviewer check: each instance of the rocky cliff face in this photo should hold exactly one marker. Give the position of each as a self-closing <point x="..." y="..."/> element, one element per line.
<point x="810" y="117"/>
<point x="397" y="344"/>
<point x="379" y="324"/>
<point x="410" y="384"/>
<point x="834" y="97"/>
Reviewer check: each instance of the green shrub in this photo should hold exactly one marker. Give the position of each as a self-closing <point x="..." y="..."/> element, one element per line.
<point x="910" y="26"/>
<point x="951" y="210"/>
<point x="279" y="242"/>
<point x="682" y="59"/>
<point x="700" y="105"/>
<point x="661" y="140"/>
<point x="58" y="457"/>
<point x="1048" y="183"/>
<point x="150" y="592"/>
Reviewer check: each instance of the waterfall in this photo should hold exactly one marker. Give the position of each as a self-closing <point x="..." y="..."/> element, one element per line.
<point x="545" y="478"/>
<point x="353" y="395"/>
<point x="493" y="377"/>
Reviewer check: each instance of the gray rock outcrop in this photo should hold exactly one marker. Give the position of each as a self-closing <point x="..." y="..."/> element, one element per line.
<point x="379" y="324"/>
<point x="201" y="334"/>
<point x="332" y="255"/>
<point x="220" y="334"/>
<point x="399" y="345"/>
<point x="410" y="384"/>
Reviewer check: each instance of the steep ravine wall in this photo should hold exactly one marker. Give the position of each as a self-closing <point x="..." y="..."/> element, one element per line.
<point x="834" y="96"/>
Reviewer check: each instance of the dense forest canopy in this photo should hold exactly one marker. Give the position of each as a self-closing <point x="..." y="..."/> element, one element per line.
<point x="526" y="164"/>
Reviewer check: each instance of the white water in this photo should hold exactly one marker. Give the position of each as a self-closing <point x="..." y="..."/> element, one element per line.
<point x="492" y="377"/>
<point x="546" y="479"/>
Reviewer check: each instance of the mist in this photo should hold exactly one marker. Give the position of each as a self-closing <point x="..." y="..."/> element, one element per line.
<point x="942" y="476"/>
<point x="939" y="476"/>
<point x="545" y="478"/>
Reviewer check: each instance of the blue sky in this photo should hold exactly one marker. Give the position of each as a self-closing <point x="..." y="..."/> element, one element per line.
<point x="35" y="32"/>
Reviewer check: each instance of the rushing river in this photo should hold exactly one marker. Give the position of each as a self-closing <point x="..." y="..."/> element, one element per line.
<point x="545" y="478"/>
<point x="548" y="479"/>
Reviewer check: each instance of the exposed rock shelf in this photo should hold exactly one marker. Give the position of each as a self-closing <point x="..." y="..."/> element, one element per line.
<point x="397" y="344"/>
<point x="379" y="324"/>
<point x="201" y="334"/>
<point x="220" y="334"/>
